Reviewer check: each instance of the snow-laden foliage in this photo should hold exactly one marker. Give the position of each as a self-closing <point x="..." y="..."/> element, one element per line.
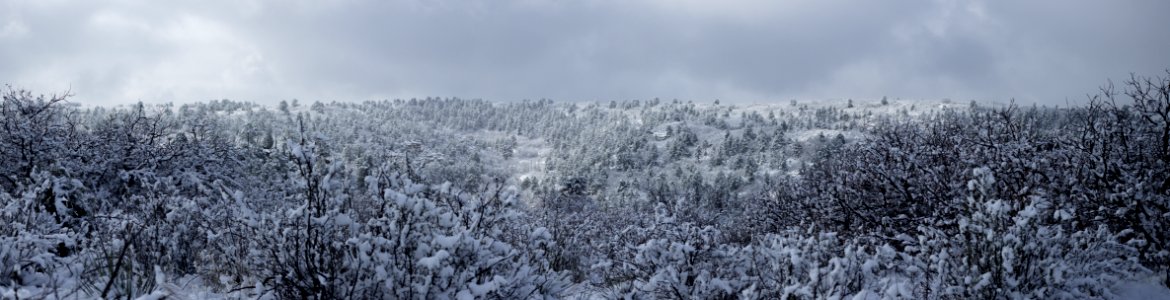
<point x="423" y="242"/>
<point x="468" y="199"/>
<point x="1000" y="253"/>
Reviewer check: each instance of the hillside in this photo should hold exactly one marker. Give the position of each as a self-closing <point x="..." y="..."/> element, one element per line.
<point x="469" y="199"/>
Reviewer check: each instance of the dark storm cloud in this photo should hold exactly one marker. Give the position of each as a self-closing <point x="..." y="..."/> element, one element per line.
<point x="749" y="51"/>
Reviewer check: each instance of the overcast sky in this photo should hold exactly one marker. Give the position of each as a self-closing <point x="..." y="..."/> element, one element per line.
<point x="113" y="52"/>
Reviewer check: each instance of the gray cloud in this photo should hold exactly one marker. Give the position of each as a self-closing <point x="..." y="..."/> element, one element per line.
<point x="748" y="51"/>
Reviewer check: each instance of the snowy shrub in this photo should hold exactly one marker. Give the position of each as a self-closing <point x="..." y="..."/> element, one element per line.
<point x="695" y="265"/>
<point x="690" y="264"/>
<point x="426" y="242"/>
<point x="416" y="248"/>
<point x="38" y="246"/>
<point x="1003" y="250"/>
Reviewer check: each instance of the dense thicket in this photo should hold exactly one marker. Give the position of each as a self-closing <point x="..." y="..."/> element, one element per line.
<point x="461" y="199"/>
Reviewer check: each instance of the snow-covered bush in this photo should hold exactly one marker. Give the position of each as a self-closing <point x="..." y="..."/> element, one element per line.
<point x="425" y="242"/>
<point x="37" y="253"/>
<point x="1006" y="250"/>
<point x="691" y="262"/>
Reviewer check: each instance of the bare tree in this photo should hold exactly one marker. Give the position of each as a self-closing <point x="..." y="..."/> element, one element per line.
<point x="1151" y="100"/>
<point x="28" y="126"/>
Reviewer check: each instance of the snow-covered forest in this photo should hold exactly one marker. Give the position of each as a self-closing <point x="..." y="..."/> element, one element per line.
<point x="650" y="199"/>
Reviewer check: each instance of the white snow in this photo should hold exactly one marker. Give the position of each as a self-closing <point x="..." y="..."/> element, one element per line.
<point x="434" y="261"/>
<point x="1137" y="290"/>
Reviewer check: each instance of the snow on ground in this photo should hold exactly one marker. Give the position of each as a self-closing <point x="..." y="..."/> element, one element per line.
<point x="530" y="157"/>
<point x="1147" y="289"/>
<point x="806" y="135"/>
<point x="1142" y="291"/>
<point x="913" y="107"/>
